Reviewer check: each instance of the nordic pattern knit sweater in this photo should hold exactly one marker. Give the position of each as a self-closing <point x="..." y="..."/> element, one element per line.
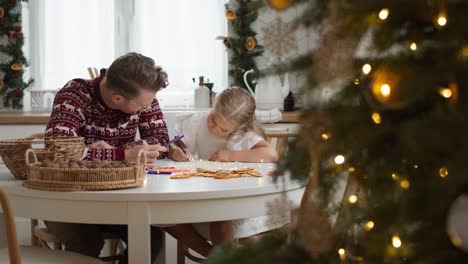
<point x="79" y="110"/>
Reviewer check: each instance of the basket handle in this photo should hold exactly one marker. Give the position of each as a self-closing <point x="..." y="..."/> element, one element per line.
<point x="141" y="157"/>
<point x="30" y="151"/>
<point x="37" y="135"/>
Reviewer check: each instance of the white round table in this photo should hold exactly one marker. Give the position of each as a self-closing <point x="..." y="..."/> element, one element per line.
<point x="160" y="201"/>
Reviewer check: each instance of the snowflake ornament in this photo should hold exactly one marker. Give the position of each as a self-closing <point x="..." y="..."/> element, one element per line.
<point x="280" y="38"/>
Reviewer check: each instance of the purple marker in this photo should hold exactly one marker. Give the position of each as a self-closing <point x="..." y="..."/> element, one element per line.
<point x="173" y="141"/>
<point x="151" y="171"/>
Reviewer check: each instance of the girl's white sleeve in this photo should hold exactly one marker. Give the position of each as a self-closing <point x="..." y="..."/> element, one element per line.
<point x="244" y="142"/>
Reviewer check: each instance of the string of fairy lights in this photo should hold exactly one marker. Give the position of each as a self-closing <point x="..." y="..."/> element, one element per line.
<point x="383" y="90"/>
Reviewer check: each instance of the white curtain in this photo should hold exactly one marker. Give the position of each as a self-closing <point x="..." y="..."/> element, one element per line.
<point x="65" y="37"/>
<point x="180" y="36"/>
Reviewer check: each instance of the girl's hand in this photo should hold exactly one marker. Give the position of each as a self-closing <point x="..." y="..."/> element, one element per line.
<point x="221" y="155"/>
<point x="177" y="154"/>
<point x="101" y="144"/>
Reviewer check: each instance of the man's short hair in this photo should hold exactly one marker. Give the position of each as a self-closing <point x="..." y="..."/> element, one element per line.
<point x="133" y="71"/>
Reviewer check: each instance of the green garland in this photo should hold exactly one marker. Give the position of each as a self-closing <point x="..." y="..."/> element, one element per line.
<point x="242" y="53"/>
<point x="12" y="60"/>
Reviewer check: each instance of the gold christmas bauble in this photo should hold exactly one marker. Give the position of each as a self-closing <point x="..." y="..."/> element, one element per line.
<point x="1" y="84"/>
<point x="230" y="14"/>
<point x="280" y="5"/>
<point x="2" y="12"/>
<point x="250" y="43"/>
<point x="17" y="66"/>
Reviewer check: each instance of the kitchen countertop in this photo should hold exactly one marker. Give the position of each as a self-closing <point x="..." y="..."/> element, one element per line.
<point x="29" y="118"/>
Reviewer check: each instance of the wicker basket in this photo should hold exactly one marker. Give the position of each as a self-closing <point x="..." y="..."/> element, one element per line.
<point x="84" y="179"/>
<point x="12" y="151"/>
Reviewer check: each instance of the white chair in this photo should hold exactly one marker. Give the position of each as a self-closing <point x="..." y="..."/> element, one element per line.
<point x="15" y="254"/>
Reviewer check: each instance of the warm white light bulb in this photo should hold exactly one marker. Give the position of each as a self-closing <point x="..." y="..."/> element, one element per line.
<point x="383" y="14"/>
<point x="325" y="136"/>
<point x="369" y="225"/>
<point x="366" y="68"/>
<point x="352" y="199"/>
<point x="442" y="20"/>
<point x="385" y="90"/>
<point x="341" y="253"/>
<point x="445" y="92"/>
<point x="396" y="242"/>
<point x="339" y="159"/>
<point x="413" y="46"/>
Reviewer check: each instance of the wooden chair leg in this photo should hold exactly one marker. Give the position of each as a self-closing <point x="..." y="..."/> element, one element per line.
<point x="34" y="240"/>
<point x="180" y="252"/>
<point x="57" y="245"/>
<point x="43" y="244"/>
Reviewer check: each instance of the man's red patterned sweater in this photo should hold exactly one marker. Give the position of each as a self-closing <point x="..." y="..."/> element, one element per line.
<point x="80" y="111"/>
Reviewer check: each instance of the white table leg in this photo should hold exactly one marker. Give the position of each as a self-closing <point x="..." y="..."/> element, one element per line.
<point x="139" y="250"/>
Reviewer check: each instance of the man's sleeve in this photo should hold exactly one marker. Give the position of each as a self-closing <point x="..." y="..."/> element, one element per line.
<point x="153" y="127"/>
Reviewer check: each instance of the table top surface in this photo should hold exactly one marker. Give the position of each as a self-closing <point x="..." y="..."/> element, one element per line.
<point x="161" y="187"/>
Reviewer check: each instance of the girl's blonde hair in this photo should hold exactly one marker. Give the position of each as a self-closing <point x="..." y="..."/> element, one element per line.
<point x="238" y="106"/>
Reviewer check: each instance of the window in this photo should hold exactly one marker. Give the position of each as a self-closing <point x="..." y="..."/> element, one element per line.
<point x="65" y="37"/>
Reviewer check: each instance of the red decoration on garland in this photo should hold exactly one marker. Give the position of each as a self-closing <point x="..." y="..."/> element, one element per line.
<point x="17" y="90"/>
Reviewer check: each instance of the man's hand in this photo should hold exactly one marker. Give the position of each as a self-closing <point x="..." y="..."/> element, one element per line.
<point x="221" y="155"/>
<point x="177" y="154"/>
<point x="151" y="151"/>
<point x="101" y="144"/>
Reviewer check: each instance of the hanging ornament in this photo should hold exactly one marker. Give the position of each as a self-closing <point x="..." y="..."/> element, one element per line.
<point x="225" y="41"/>
<point x="230" y="14"/>
<point x="12" y="37"/>
<point x="2" y="12"/>
<point x="19" y="27"/>
<point x="2" y="83"/>
<point x="279" y="5"/>
<point x="17" y="90"/>
<point x="250" y="43"/>
<point x="456" y="222"/>
<point x="17" y="66"/>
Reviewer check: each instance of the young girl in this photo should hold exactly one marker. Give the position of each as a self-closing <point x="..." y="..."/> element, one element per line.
<point x="228" y="133"/>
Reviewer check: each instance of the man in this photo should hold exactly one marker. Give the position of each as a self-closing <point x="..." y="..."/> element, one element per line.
<point x="107" y="111"/>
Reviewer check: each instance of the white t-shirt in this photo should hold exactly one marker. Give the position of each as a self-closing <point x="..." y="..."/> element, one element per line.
<point x="202" y="144"/>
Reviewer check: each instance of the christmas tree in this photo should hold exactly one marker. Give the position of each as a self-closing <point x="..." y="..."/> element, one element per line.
<point x="12" y="60"/>
<point x="394" y="130"/>
<point x="243" y="45"/>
